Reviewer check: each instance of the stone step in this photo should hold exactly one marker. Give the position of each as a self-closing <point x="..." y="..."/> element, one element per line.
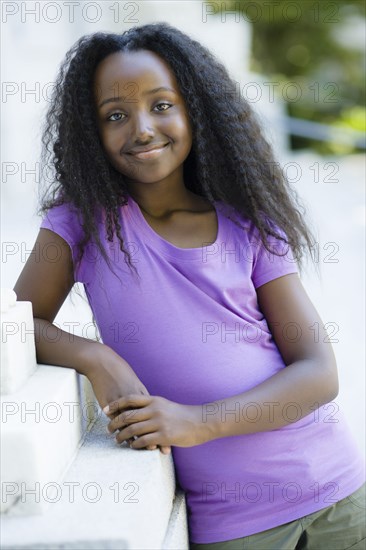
<point x="111" y="497"/>
<point x="42" y="426"/>
<point x="176" y="537"/>
<point x="17" y="342"/>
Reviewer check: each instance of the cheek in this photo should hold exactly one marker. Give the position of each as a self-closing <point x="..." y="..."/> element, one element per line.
<point x="186" y="129"/>
<point x="112" y="143"/>
<point x="181" y="133"/>
<point x="111" y="146"/>
<point x="109" y="140"/>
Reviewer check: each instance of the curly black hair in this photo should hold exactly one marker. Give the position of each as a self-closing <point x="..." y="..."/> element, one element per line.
<point x="230" y="160"/>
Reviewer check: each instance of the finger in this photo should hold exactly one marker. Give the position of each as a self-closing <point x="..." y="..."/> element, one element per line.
<point x="127" y="402"/>
<point x="165" y="450"/>
<point x="144" y="441"/>
<point x="149" y="447"/>
<point x="111" y="414"/>
<point x="138" y="429"/>
<point x="126" y="418"/>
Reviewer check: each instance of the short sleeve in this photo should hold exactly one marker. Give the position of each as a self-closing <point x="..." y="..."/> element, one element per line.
<point x="269" y="265"/>
<point x="65" y="221"/>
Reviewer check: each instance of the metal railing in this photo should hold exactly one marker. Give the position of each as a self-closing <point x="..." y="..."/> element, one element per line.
<point x="324" y="132"/>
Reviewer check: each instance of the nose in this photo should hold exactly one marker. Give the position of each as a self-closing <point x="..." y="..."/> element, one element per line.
<point x="142" y="127"/>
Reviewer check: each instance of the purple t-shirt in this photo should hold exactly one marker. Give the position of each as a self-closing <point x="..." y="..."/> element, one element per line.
<point x="191" y="328"/>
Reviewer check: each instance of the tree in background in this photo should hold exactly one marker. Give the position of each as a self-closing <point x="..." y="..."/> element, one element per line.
<point x="318" y="46"/>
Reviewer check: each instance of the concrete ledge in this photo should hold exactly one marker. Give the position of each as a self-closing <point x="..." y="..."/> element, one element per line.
<point x="18" y="352"/>
<point x="111" y="497"/>
<point x="177" y="534"/>
<point x="42" y="425"/>
<point x="79" y="545"/>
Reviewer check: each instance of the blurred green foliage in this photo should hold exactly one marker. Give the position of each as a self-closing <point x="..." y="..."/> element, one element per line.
<point x="318" y="45"/>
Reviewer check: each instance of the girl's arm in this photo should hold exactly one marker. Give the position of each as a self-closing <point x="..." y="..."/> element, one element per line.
<point x="46" y="280"/>
<point x="309" y="380"/>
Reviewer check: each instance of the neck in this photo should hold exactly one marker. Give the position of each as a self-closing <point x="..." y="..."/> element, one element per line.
<point x="161" y="199"/>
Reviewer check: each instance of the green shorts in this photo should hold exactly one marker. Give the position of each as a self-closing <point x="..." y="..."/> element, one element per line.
<point x="336" y="527"/>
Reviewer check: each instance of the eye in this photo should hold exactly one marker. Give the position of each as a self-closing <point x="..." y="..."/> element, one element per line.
<point x="163" y="103"/>
<point x="115" y="115"/>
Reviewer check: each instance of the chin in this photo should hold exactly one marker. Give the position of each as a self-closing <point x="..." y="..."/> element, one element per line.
<point x="147" y="176"/>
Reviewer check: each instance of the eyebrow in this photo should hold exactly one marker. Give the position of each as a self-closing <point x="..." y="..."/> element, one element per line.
<point x="153" y="91"/>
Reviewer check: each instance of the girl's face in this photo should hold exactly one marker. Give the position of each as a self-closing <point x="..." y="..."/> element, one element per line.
<point x="142" y="119"/>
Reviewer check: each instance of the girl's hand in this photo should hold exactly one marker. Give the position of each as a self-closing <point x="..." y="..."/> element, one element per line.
<point x="157" y="421"/>
<point x="112" y="378"/>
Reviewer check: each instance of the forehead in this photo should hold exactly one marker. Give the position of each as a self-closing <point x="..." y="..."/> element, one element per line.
<point x="143" y="67"/>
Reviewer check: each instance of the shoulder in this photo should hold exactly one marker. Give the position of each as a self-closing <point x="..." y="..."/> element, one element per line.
<point x="270" y="259"/>
<point x="66" y="220"/>
<point x="248" y="226"/>
<point x="242" y="226"/>
<point x="64" y="211"/>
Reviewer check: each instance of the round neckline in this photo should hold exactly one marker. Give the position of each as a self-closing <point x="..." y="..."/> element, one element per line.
<point x="169" y="249"/>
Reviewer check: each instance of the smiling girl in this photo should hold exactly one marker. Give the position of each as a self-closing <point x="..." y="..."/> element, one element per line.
<point x="169" y="208"/>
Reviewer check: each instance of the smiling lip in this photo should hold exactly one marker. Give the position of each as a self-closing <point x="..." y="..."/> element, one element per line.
<point x="148" y="152"/>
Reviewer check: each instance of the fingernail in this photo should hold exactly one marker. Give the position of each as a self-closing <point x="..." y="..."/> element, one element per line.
<point x="106" y="409"/>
